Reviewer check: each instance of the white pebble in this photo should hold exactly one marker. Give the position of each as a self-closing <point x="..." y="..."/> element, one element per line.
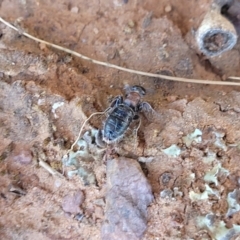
<point x="74" y="9"/>
<point x="168" y="8"/>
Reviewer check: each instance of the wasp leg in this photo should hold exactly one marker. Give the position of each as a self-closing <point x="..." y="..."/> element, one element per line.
<point x="136" y="117"/>
<point x="147" y="110"/>
<point x="145" y="107"/>
<point x="99" y="139"/>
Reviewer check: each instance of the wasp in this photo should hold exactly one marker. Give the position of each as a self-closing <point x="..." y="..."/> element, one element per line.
<point x="122" y="112"/>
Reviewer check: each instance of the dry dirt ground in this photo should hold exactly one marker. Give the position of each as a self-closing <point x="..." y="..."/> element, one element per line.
<point x="46" y="95"/>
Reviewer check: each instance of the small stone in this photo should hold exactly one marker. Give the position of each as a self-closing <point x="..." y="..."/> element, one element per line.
<point x="71" y="202"/>
<point x="42" y="46"/>
<point x="147" y="20"/>
<point x="119" y="3"/>
<point x="95" y="30"/>
<point x="17" y="190"/>
<point x="171" y="98"/>
<point x="98" y="213"/>
<point x="79" y="217"/>
<point x="224" y="77"/>
<point x="127" y="29"/>
<point x="166" y="193"/>
<point x="179" y="105"/>
<point x="58" y="183"/>
<point x="145" y="159"/>
<point x="168" y="8"/>
<point x="23" y="157"/>
<point x="99" y="202"/>
<point x="74" y="10"/>
<point x="131" y="24"/>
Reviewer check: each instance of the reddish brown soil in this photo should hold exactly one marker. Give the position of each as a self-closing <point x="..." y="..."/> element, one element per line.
<point x="140" y="35"/>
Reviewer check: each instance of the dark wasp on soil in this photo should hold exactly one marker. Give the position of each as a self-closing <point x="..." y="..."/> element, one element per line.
<point x="121" y="113"/>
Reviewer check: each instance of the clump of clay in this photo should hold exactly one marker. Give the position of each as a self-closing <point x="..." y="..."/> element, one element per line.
<point x="127" y="199"/>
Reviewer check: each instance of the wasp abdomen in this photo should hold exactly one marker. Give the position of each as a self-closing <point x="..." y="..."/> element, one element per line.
<point x="117" y="123"/>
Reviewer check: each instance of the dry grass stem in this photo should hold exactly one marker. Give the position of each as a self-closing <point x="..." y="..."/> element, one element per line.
<point x="177" y="79"/>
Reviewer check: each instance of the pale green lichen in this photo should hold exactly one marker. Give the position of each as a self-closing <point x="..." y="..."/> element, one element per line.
<point x="219" y="140"/>
<point x="216" y="228"/>
<point x="86" y="175"/>
<point x="196" y="136"/>
<point x="211" y="156"/>
<point x="212" y="175"/>
<point x="177" y="192"/>
<point x="172" y="151"/>
<point x="233" y="202"/>
<point x="83" y="152"/>
<point x="204" y="195"/>
<point x="55" y="106"/>
<point x="73" y="156"/>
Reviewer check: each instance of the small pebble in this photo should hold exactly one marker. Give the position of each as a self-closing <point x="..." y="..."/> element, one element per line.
<point x="71" y="202"/>
<point x="95" y="30"/>
<point x="166" y="193"/>
<point x="98" y="213"/>
<point x="74" y="10"/>
<point x="147" y="20"/>
<point x="168" y="8"/>
<point x="79" y="217"/>
<point x="42" y="46"/>
<point x="58" y="183"/>
<point x="99" y="202"/>
<point x="171" y="98"/>
<point x="131" y="23"/>
<point x="224" y="77"/>
<point x="17" y="190"/>
<point x="24" y="157"/>
<point x="145" y="159"/>
<point x="127" y="29"/>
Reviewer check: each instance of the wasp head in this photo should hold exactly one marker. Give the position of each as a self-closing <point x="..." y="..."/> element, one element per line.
<point x="137" y="89"/>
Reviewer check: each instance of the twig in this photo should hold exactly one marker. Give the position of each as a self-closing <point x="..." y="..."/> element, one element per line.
<point x="177" y="79"/>
<point x="136" y="131"/>
<point x="80" y="132"/>
<point x="50" y="169"/>
<point x="234" y="78"/>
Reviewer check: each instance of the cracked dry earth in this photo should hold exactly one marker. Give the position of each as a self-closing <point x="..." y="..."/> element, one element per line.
<point x="178" y="178"/>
